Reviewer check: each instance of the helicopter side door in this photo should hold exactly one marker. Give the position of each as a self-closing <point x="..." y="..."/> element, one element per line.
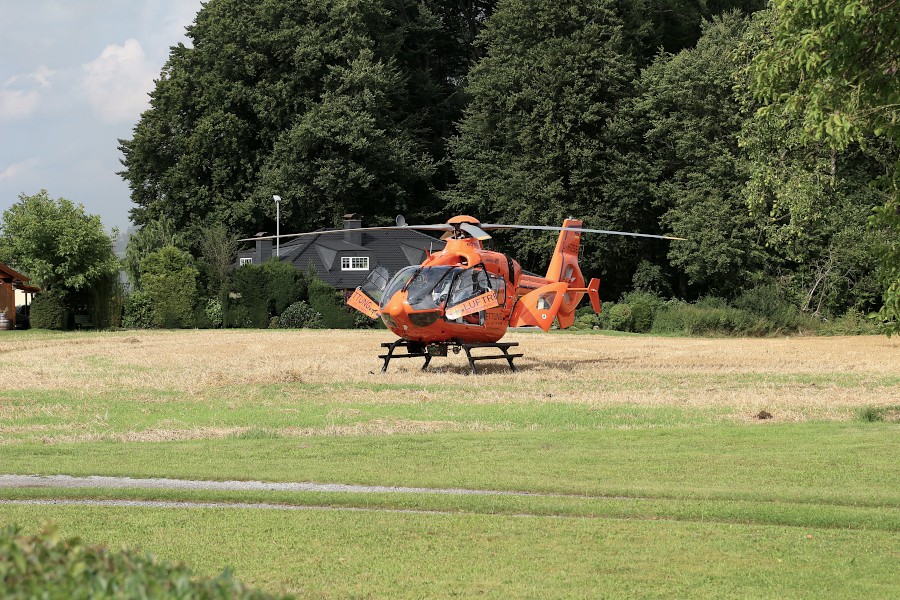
<point x="470" y="295"/>
<point x="367" y="297"/>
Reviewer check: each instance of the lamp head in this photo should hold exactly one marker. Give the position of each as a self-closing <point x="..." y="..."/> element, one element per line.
<point x="276" y="198"/>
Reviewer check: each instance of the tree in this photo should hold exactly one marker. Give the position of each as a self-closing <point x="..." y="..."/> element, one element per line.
<point x="651" y="26"/>
<point x="337" y="106"/>
<point x="169" y="280"/>
<point x="532" y="144"/>
<point x="218" y="249"/>
<point x="156" y="234"/>
<point x="56" y="244"/>
<point x="679" y="155"/>
<point x="832" y="68"/>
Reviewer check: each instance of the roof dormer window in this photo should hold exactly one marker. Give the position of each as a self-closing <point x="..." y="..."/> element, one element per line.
<point x="354" y="263"/>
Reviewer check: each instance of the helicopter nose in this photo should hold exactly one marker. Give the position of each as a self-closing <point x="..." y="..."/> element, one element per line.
<point x="395" y="307"/>
<point x="394" y="310"/>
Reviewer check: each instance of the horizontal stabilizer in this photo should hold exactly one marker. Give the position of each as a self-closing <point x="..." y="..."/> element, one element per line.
<point x="594" y="295"/>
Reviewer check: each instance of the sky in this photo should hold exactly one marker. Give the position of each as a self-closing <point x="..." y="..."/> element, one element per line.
<point x="74" y="78"/>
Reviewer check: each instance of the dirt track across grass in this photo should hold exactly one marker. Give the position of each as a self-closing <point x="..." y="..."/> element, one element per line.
<point x="66" y="481"/>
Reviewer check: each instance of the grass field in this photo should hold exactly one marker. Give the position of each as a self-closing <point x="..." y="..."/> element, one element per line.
<point x="648" y="469"/>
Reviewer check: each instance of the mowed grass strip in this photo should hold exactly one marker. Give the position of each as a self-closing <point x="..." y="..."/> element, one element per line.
<point x="370" y="554"/>
<point x="720" y="511"/>
<point x="852" y="464"/>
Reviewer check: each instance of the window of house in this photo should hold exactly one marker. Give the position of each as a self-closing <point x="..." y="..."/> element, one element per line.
<point x="354" y="263"/>
<point x="246" y="261"/>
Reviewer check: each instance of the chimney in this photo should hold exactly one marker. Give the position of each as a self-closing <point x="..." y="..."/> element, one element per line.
<point x="263" y="248"/>
<point x="352" y="221"/>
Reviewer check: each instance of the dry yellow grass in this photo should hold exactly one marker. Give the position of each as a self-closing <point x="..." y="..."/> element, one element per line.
<point x="794" y="378"/>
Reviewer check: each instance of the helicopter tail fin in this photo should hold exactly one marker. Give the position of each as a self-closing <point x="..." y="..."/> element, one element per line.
<point x="564" y="268"/>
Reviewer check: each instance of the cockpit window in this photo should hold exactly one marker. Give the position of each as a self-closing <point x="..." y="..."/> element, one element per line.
<point x="375" y="283"/>
<point x="397" y="283"/>
<point x="469" y="284"/>
<point x="429" y="287"/>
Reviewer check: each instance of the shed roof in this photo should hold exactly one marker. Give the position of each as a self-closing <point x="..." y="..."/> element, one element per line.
<point x="8" y="275"/>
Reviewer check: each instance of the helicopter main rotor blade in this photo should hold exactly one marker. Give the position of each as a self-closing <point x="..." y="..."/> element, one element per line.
<point x="490" y="226"/>
<point x="475" y="231"/>
<point x="440" y="227"/>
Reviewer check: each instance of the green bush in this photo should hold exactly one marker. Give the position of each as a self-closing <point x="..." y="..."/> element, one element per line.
<point x="586" y="321"/>
<point x="245" y="303"/>
<point x="48" y="311"/>
<point x="603" y="317"/>
<point x="284" y="285"/>
<point x="138" y="311"/>
<point x="300" y="315"/>
<point x="644" y="306"/>
<point x="327" y="301"/>
<point x="771" y="301"/>
<point x="105" y="301"/>
<point x="169" y="279"/>
<point x="45" y="566"/>
<point x="852" y="322"/>
<point x="213" y="312"/>
<point x="711" y="317"/>
<point x="256" y="293"/>
<point x="620" y="317"/>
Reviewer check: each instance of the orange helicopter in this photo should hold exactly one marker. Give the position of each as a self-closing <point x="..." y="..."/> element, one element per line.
<point x="465" y="297"/>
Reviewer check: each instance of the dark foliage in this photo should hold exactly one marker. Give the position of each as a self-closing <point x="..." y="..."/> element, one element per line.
<point x="48" y="311"/>
<point x="328" y="302"/>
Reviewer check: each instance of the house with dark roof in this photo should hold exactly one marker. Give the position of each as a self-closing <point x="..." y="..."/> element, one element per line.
<point x="345" y="259"/>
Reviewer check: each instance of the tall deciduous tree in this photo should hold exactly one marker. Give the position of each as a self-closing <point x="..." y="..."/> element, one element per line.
<point x="832" y="67"/>
<point x="531" y="146"/>
<point x="56" y="244"/>
<point x="333" y="105"/>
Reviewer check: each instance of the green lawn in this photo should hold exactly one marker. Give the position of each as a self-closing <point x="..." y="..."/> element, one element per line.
<point x="366" y="554"/>
<point x="644" y="476"/>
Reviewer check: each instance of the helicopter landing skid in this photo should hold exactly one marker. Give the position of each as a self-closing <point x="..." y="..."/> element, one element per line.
<point x="420" y="350"/>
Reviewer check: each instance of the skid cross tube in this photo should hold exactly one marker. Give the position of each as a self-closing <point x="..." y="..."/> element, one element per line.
<point x="413" y="350"/>
<point x="421" y="350"/>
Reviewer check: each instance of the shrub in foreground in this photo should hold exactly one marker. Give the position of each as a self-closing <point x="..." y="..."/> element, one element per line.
<point x="46" y="566"/>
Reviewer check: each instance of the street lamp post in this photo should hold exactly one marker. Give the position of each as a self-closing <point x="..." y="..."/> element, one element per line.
<point x="277" y="225"/>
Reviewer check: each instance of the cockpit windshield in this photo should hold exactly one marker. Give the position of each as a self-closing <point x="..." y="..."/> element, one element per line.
<point x="397" y="283"/>
<point x="429" y="287"/>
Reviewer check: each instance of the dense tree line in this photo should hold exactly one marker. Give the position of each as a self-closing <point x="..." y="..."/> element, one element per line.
<point x="725" y="122"/>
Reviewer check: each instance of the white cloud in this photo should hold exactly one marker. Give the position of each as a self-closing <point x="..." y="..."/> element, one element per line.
<point x="118" y="81"/>
<point x="18" y="98"/>
<point x="14" y="170"/>
<point x="15" y="104"/>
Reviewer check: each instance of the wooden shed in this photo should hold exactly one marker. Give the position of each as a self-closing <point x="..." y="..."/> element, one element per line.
<point x="10" y="281"/>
